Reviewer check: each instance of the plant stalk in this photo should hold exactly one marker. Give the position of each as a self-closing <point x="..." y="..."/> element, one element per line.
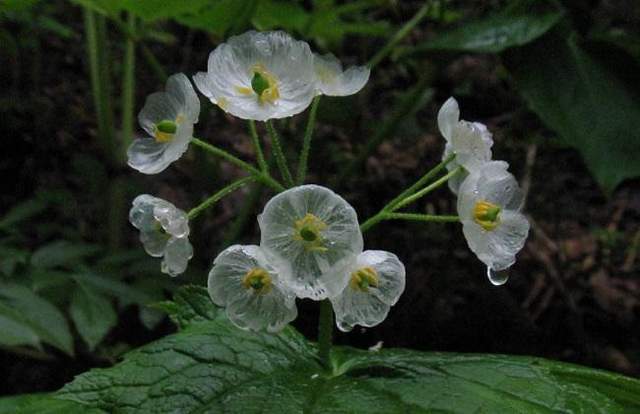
<point x="325" y="333"/>
<point x="128" y="82"/>
<point x="278" y="152"/>
<point x="306" y="144"/>
<point x="258" y="147"/>
<point x="225" y="191"/>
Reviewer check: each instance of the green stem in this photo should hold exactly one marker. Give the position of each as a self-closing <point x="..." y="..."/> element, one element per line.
<point x="260" y="176"/>
<point x="195" y="212"/>
<point x="128" y="80"/>
<point x="258" y="147"/>
<point x="421" y="217"/>
<point x="399" y="35"/>
<point x="95" y="36"/>
<point x="427" y="189"/>
<point x="325" y="333"/>
<point x="281" y="160"/>
<point x="306" y="145"/>
<point x="420" y="183"/>
<point x="156" y="67"/>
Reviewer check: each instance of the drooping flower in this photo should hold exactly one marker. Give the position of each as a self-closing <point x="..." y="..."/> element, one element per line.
<point x="376" y="281"/>
<point x="470" y="141"/>
<point x="312" y="233"/>
<point x="164" y="232"/>
<point x="249" y="287"/>
<point x="260" y="76"/>
<point x="334" y="81"/>
<point x="489" y="204"/>
<point x="168" y="117"/>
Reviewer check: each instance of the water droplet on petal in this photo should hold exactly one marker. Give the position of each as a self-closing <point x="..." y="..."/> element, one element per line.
<point x="497" y="278"/>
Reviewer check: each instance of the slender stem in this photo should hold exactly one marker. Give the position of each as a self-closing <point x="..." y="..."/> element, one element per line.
<point x="420" y="217"/>
<point x="128" y="80"/>
<point x="100" y="101"/>
<point x="281" y="160"/>
<point x="306" y="145"/>
<point x="260" y="176"/>
<point x="258" y="147"/>
<point x="427" y="189"/>
<point x="195" y="212"/>
<point x="420" y="183"/>
<point x="325" y="333"/>
<point x="156" y="67"/>
<point x="399" y="35"/>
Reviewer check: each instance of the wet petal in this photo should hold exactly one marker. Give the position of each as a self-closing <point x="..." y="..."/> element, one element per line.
<point x="448" y="117"/>
<point x="147" y="156"/>
<point x="311" y="269"/>
<point x="270" y="310"/>
<point x="334" y="81"/>
<point x="469" y="142"/>
<point x="180" y="88"/>
<point x="177" y="254"/>
<point x="154" y="242"/>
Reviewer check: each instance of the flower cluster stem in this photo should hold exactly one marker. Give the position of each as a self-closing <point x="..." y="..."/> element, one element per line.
<point x="306" y="144"/>
<point x="411" y="194"/>
<point x="259" y="175"/>
<point x="325" y="333"/>
<point x="228" y="189"/>
<point x="262" y="163"/>
<point x="278" y="152"/>
<point x="128" y="80"/>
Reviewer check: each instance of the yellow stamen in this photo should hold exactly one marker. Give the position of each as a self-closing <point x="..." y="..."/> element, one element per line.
<point x="243" y="90"/>
<point x="257" y="279"/>
<point x="486" y="214"/>
<point x="308" y="231"/>
<point x="363" y="278"/>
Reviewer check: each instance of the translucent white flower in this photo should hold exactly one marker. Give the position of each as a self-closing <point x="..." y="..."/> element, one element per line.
<point x="260" y="76"/>
<point x="164" y="232"/>
<point x="245" y="282"/>
<point x="334" y="81"/>
<point x="376" y="281"/>
<point x="470" y="141"/>
<point x="489" y="206"/>
<point x="168" y="117"/>
<point x="312" y="232"/>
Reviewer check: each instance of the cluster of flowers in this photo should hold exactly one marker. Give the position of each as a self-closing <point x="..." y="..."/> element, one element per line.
<point x="311" y="245"/>
<point x="489" y="198"/>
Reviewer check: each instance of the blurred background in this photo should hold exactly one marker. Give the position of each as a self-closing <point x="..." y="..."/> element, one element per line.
<point x="555" y="81"/>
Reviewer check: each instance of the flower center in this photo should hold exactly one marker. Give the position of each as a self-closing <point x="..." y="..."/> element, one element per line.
<point x="263" y="83"/>
<point x="258" y="280"/>
<point x="308" y="230"/>
<point x="364" y="277"/>
<point x="486" y="214"/>
<point x="166" y="129"/>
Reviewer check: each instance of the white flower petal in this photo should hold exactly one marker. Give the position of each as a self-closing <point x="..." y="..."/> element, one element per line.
<point x="247" y="309"/>
<point x="355" y="307"/>
<point x="310" y="272"/>
<point x="154" y="242"/>
<point x="141" y="213"/>
<point x="470" y="143"/>
<point x="173" y="220"/>
<point x="179" y="87"/>
<point x="333" y="81"/>
<point x="448" y="117"/>
<point x="177" y="254"/>
<point x="227" y="81"/>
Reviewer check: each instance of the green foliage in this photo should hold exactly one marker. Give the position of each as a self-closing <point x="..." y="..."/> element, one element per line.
<point x="515" y="26"/>
<point x="582" y="97"/>
<point x="92" y="313"/>
<point x="42" y="404"/>
<point x="211" y="366"/>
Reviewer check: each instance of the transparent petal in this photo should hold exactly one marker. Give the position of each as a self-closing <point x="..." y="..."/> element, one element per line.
<point x="311" y="273"/>
<point x="173" y="220"/>
<point x="510" y="235"/>
<point x="154" y="242"/>
<point x="246" y="309"/>
<point x="180" y="88"/>
<point x="502" y="189"/>
<point x="158" y="106"/>
<point x="353" y="307"/>
<point x="478" y="186"/>
<point x="455" y="181"/>
<point x="147" y="155"/>
<point x="469" y="142"/>
<point x="448" y="117"/>
<point x="333" y="81"/>
<point x="141" y="213"/>
<point x="177" y="254"/>
<point x="390" y="271"/>
<point x="230" y="71"/>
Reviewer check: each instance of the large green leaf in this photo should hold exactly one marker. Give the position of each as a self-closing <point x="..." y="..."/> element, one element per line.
<point x="583" y="98"/>
<point x="211" y="367"/>
<point x="42" y="404"/>
<point x="25" y="314"/>
<point x="518" y="25"/>
<point x="61" y="252"/>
